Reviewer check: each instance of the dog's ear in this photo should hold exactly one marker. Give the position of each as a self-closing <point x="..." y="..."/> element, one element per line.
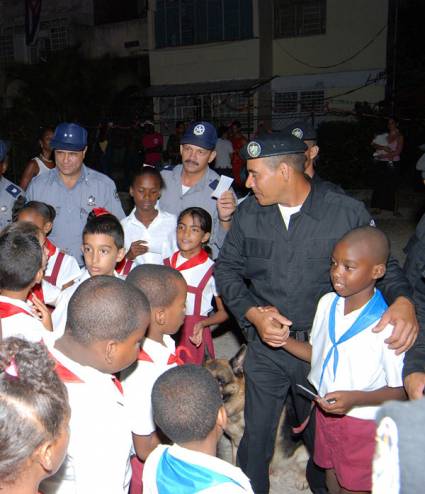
<point x="236" y="363"/>
<point x="207" y="355"/>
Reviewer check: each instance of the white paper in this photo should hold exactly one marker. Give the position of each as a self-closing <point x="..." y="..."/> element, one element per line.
<point x="224" y="184"/>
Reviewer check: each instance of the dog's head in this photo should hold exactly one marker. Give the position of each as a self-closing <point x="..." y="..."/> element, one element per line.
<point x="228" y="373"/>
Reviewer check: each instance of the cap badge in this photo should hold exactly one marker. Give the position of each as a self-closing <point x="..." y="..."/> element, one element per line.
<point x="199" y="130"/>
<point x="297" y="132"/>
<point x="254" y="149"/>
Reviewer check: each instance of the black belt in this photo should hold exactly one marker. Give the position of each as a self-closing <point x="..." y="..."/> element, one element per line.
<point x="300" y="335"/>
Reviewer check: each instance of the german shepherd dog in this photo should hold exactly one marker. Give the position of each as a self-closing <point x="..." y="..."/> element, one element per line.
<point x="289" y="454"/>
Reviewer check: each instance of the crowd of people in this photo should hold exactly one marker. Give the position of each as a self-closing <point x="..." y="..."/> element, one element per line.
<point x="106" y="319"/>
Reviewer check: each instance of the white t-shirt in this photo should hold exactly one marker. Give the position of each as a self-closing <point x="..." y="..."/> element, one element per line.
<point x="287" y="212"/>
<point x="138" y="381"/>
<point x="185" y="188"/>
<point x="160" y="236"/>
<point x="365" y="361"/>
<point x="23" y="324"/>
<point x="98" y="457"/>
<point x="238" y="482"/>
<point x="224" y="150"/>
<point x="193" y="277"/>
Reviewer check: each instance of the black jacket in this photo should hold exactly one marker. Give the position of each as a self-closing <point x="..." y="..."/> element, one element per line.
<point x="263" y="263"/>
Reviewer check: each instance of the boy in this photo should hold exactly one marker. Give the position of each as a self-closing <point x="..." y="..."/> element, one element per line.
<point x="166" y="290"/>
<point x="21" y="267"/>
<point x="347" y="355"/>
<point x="188" y="408"/>
<point x="103" y="248"/>
<point x="107" y="320"/>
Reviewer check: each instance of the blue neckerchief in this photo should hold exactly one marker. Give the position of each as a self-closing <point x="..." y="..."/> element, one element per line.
<point x="175" y="476"/>
<point x="371" y="313"/>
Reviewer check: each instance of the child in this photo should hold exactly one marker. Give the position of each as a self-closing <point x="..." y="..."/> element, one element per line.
<point x="188" y="408"/>
<point x="21" y="267"/>
<point x="347" y="355"/>
<point x="166" y="290"/>
<point x="150" y="234"/>
<point x="103" y="248"/>
<point x="34" y="416"/>
<point x="62" y="269"/>
<point x="107" y="320"/>
<point x="193" y="232"/>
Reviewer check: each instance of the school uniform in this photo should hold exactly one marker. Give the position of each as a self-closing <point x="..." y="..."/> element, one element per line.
<point x="18" y="320"/>
<point x="160" y="236"/>
<point x="138" y="380"/>
<point x="171" y="469"/>
<point x="98" y="456"/>
<point x="201" y="289"/>
<point x="348" y="356"/>
<point x="61" y="267"/>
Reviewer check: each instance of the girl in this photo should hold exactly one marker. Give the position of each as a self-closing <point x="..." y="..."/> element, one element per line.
<point x="193" y="232"/>
<point x="34" y="417"/>
<point x="41" y="163"/>
<point x="150" y="234"/>
<point x="62" y="269"/>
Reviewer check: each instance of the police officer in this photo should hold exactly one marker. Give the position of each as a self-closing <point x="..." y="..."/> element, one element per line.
<point x="73" y="189"/>
<point x="192" y="182"/>
<point x="277" y="253"/>
<point x="9" y="192"/>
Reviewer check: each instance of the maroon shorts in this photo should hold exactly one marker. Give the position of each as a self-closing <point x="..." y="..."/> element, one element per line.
<point x="347" y="445"/>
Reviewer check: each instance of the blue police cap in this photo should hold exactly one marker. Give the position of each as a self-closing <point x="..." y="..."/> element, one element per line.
<point x="301" y="129"/>
<point x="202" y="134"/>
<point x="268" y="145"/>
<point x="69" y="137"/>
<point x="3" y="150"/>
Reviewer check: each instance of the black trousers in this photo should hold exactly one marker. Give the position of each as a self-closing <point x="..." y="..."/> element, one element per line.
<point x="270" y="374"/>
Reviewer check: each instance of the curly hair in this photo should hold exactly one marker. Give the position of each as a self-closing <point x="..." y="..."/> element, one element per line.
<point x="33" y="405"/>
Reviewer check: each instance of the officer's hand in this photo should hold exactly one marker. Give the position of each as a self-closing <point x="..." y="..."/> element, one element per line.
<point x="272" y="327"/>
<point x="401" y="314"/>
<point x="414" y="384"/>
<point x="226" y="205"/>
<point x="137" y="248"/>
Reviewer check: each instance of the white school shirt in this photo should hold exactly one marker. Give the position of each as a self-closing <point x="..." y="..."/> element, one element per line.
<point x="22" y="325"/>
<point x="193" y="277"/>
<point x="365" y="362"/>
<point x="138" y="381"/>
<point x="69" y="269"/>
<point x="195" y="457"/>
<point x="160" y="236"/>
<point x="98" y="456"/>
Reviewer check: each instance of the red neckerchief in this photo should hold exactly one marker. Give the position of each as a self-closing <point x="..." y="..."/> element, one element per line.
<point x="7" y="309"/>
<point x="38" y="291"/>
<point x="144" y="356"/>
<point x="65" y="375"/>
<point x="190" y="263"/>
<point x="117" y="383"/>
<point x="51" y="249"/>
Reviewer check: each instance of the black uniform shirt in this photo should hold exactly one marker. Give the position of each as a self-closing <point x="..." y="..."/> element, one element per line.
<point x="264" y="263"/>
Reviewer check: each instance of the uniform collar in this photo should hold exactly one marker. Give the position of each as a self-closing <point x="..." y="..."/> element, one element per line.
<point x="54" y="175"/>
<point x="135" y="221"/>
<point x="205" y="180"/>
<point x="157" y="352"/>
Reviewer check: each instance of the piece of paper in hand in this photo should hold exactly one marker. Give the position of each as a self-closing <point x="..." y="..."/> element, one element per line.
<point x="224" y="184"/>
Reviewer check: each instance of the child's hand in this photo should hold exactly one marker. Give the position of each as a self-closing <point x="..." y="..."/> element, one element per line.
<point x="341" y="402"/>
<point x="197" y="334"/>
<point x="137" y="248"/>
<point x="42" y="312"/>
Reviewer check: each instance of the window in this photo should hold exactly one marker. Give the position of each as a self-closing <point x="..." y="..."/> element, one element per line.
<point x="188" y="22"/>
<point x="58" y="35"/>
<point x="299" y="18"/>
<point x="7" y="50"/>
<point x="298" y="102"/>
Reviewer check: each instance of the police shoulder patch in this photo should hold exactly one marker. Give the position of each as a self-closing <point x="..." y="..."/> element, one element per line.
<point x="13" y="190"/>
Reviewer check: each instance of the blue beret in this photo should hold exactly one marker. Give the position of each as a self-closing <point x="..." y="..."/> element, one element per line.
<point x="301" y="129"/>
<point x="268" y="145"/>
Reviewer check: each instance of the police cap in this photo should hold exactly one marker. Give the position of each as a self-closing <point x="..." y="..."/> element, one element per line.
<point x="301" y="129"/>
<point x="272" y="145"/>
<point x="202" y="134"/>
<point x="69" y="137"/>
<point x="3" y="151"/>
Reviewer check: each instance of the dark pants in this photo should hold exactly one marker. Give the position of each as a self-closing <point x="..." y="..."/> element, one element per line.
<point x="270" y="374"/>
<point x="386" y="183"/>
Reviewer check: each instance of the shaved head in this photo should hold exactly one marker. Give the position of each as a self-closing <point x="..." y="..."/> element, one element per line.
<point x="373" y="242"/>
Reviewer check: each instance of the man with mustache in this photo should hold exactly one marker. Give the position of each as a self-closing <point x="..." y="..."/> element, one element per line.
<point x="192" y="183"/>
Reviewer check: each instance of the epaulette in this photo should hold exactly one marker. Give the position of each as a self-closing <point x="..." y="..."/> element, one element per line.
<point x="213" y="184"/>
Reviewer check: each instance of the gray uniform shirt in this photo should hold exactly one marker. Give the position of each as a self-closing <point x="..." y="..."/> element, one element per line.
<point x="174" y="201"/>
<point x="72" y="206"/>
<point x="9" y="192"/>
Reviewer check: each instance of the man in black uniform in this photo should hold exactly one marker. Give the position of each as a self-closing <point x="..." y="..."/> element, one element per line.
<point x="277" y="253"/>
